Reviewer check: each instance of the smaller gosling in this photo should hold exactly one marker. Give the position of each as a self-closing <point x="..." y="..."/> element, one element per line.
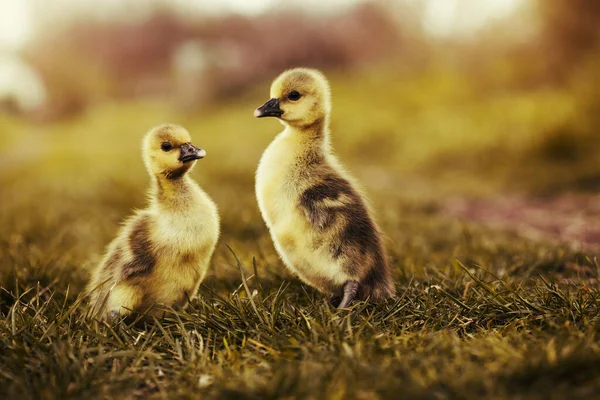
<point x="320" y="222"/>
<point x="161" y="253"/>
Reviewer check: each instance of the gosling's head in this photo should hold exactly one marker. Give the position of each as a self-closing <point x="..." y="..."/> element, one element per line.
<point x="300" y="97"/>
<point x="168" y="151"/>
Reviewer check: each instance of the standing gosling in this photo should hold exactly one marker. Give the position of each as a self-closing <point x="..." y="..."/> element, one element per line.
<point x="320" y="223"/>
<point x="161" y="254"/>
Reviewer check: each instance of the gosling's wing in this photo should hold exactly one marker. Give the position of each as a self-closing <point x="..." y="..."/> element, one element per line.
<point x="330" y="200"/>
<point x="142" y="250"/>
<point x="333" y="203"/>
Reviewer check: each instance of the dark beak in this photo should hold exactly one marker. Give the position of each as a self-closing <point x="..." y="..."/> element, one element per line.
<point x="189" y="152"/>
<point x="269" y="109"/>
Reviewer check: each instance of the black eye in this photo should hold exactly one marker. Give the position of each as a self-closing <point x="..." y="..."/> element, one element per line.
<point x="294" y="95"/>
<point x="166" y="146"/>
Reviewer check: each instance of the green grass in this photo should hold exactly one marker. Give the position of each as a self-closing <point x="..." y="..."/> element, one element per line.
<point x="481" y="313"/>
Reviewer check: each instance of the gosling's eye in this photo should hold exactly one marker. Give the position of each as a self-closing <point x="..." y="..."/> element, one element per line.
<point x="294" y="95"/>
<point x="166" y="146"/>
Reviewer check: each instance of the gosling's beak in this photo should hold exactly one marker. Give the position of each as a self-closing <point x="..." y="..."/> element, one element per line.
<point x="189" y="152"/>
<point x="269" y="109"/>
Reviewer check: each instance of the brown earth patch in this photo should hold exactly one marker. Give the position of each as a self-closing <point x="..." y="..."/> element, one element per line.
<point x="570" y="218"/>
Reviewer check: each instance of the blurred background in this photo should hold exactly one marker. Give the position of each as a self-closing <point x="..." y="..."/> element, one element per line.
<point x="480" y="109"/>
<point x="473" y="126"/>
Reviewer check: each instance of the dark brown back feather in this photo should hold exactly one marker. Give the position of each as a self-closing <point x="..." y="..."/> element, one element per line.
<point x="144" y="258"/>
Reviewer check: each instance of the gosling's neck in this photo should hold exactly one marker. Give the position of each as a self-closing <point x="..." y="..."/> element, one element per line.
<point x="171" y="193"/>
<point x="313" y="136"/>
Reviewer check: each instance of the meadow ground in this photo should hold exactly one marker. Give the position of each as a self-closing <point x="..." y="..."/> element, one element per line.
<point x="482" y="311"/>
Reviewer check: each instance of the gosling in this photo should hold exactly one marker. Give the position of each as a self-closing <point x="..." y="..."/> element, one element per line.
<point x="320" y="223"/>
<point x="161" y="253"/>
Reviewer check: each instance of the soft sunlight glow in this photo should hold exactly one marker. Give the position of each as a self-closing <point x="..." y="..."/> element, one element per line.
<point x="460" y="17"/>
<point x="442" y="17"/>
<point x="15" y="23"/>
<point x="20" y="83"/>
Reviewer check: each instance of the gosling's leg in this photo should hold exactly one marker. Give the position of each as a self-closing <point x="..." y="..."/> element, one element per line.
<point x="350" y="292"/>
